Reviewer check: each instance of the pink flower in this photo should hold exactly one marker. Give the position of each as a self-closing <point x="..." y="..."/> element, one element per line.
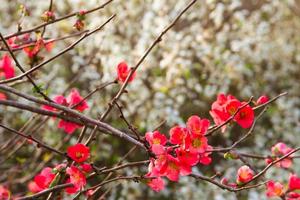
<point x="123" y="71"/>
<point x="156" y="141"/>
<point x="77" y="178"/>
<point x="6" y="68"/>
<point x="197" y="125"/>
<point x="156" y="184"/>
<point x="44" y="179"/>
<point x="4" y="193"/>
<point x="274" y="189"/>
<point x="244" y="174"/>
<point x="78" y="152"/>
<point x="294" y="182"/>
<point x="280" y="149"/>
<point x="262" y="99"/>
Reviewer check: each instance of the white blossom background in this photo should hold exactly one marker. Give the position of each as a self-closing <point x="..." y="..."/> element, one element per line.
<point x="245" y="48"/>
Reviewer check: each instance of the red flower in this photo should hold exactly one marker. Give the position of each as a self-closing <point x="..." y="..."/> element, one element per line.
<point x="123" y="72"/>
<point x="157" y="184"/>
<point x="197" y="126"/>
<point x="226" y="106"/>
<point x="274" y="189"/>
<point x="86" y="167"/>
<point x="71" y="190"/>
<point x="198" y="144"/>
<point x="61" y="100"/>
<point x="44" y="179"/>
<point x="178" y="135"/>
<point x="156" y="141"/>
<point x="218" y="111"/>
<point x="187" y="157"/>
<point x="294" y="182"/>
<point x="244" y="174"/>
<point x="33" y="50"/>
<point x="6" y="68"/>
<point x="4" y="193"/>
<point x="204" y="158"/>
<point x="69" y="127"/>
<point x="2" y="96"/>
<point x="186" y="160"/>
<point x="293" y="196"/>
<point x="77" y="178"/>
<point x="262" y="99"/>
<point x="78" y="152"/>
<point x="244" y="117"/>
<point x="172" y="168"/>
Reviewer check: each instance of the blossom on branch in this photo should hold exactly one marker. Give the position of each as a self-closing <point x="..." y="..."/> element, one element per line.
<point x="78" y="152"/>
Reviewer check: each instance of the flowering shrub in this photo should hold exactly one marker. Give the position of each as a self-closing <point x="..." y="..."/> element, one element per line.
<point x="197" y="82"/>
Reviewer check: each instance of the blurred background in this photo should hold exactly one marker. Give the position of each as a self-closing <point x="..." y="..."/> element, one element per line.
<point x="240" y="47"/>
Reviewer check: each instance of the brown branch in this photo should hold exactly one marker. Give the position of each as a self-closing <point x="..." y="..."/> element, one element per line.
<point x="56" y="20"/>
<point x="58" y="54"/>
<point x="30" y="137"/>
<point x="44" y="192"/>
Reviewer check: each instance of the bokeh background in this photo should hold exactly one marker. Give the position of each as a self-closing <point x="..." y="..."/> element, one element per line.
<point x="242" y="47"/>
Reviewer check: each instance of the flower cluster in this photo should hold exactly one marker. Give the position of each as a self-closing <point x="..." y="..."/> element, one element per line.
<point x="73" y="99"/>
<point x="277" y="189"/>
<point x="278" y="150"/>
<point x="48" y="177"/>
<point x="226" y="106"/>
<point x="76" y="175"/>
<point x="189" y="146"/>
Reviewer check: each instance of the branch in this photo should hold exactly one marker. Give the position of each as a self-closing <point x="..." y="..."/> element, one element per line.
<point x="38" y="142"/>
<point x="58" y="54"/>
<point x="44" y="192"/>
<point x="56" y="20"/>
